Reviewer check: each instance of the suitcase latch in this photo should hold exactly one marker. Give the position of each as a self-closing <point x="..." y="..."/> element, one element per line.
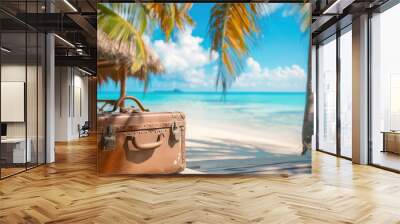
<point x="109" y="139"/>
<point x="176" y="132"/>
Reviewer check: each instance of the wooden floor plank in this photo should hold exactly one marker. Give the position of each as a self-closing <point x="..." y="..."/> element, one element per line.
<point x="70" y="191"/>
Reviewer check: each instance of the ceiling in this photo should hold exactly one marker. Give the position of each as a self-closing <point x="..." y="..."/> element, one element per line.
<point x="332" y="15"/>
<point x="74" y="22"/>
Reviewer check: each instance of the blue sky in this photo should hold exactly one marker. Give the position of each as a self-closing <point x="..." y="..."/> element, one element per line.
<point x="276" y="62"/>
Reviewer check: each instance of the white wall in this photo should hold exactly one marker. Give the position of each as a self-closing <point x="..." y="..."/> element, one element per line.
<point x="71" y="102"/>
<point x="62" y="82"/>
<point x="80" y="112"/>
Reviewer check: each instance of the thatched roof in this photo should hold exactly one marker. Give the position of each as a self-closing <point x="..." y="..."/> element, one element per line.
<point x="114" y="58"/>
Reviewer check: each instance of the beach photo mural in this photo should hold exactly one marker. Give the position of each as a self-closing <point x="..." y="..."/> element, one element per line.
<point x="239" y="72"/>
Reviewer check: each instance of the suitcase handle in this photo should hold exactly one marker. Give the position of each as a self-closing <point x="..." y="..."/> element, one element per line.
<point x="124" y="109"/>
<point x="106" y="102"/>
<point x="133" y="145"/>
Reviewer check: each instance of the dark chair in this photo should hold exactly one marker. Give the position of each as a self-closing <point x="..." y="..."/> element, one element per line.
<point x="84" y="130"/>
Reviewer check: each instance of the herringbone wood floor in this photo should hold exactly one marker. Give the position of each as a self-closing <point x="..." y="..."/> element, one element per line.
<point x="69" y="191"/>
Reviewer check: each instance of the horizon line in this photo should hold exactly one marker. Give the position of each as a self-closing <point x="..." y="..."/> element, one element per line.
<point x="183" y="91"/>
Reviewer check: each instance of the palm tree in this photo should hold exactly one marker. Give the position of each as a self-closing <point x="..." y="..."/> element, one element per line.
<point x="121" y="44"/>
<point x="115" y="62"/>
<point x="121" y="48"/>
<point x="308" y="118"/>
<point x="115" y="22"/>
<point x="231" y="27"/>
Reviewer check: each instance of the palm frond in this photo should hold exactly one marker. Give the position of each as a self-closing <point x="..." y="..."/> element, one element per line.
<point x="231" y="27"/>
<point x="306" y="15"/>
<point x="170" y="16"/>
<point x="110" y="60"/>
<point x="112" y="22"/>
<point x="123" y="48"/>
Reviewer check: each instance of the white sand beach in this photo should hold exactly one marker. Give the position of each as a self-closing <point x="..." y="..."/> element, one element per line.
<point x="220" y="148"/>
<point x="246" y="133"/>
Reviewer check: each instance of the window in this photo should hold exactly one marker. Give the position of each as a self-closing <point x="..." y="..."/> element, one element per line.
<point x="327" y="96"/>
<point x="394" y="102"/>
<point x="22" y="77"/>
<point x="385" y="89"/>
<point x="346" y="93"/>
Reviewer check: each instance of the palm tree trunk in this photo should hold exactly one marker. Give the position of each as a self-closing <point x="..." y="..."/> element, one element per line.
<point x="308" y="119"/>
<point x="122" y="91"/>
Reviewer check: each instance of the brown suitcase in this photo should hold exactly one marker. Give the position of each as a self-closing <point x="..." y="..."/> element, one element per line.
<point x="140" y="142"/>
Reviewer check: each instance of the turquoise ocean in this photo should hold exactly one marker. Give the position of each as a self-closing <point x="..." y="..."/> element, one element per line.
<point x="258" y="108"/>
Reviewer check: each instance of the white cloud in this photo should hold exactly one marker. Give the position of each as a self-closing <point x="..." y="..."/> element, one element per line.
<point x="183" y="54"/>
<point x="188" y="65"/>
<point x="185" y="57"/>
<point x="253" y="65"/>
<point x="289" y="11"/>
<point x="270" y="8"/>
<point x="280" y="78"/>
<point x="287" y="72"/>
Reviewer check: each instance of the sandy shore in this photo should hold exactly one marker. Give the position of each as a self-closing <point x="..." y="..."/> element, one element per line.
<point x="272" y="139"/>
<point x="223" y="141"/>
<point x="232" y="148"/>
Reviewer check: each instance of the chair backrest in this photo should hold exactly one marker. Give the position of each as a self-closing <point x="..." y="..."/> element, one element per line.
<point x="86" y="125"/>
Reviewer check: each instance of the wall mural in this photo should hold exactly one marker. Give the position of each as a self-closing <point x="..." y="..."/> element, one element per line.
<point x="204" y="88"/>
